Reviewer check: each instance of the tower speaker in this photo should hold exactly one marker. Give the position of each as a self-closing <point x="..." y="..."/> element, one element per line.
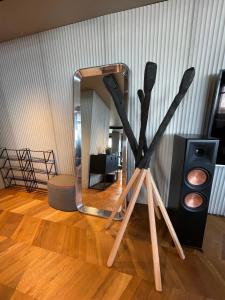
<point x="193" y="164"/>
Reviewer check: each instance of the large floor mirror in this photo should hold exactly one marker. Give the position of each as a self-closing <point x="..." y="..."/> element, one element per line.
<point x="99" y="140"/>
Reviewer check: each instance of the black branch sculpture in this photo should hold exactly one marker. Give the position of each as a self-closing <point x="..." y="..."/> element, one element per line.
<point x="142" y="155"/>
<point x="144" y="97"/>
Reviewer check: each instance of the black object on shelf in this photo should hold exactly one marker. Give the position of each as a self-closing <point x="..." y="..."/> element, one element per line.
<point x="31" y="167"/>
<point x="106" y="165"/>
<point x="215" y="118"/>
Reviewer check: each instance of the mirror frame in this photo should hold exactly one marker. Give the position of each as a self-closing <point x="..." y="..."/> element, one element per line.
<point x="79" y="74"/>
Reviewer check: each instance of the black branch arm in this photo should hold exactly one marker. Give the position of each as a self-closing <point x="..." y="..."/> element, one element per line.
<point x="149" y="81"/>
<point x="117" y="96"/>
<point x="184" y="86"/>
<point x="141" y="97"/>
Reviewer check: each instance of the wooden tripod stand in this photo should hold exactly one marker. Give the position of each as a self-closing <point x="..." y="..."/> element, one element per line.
<point x="142" y="174"/>
<point x="155" y="203"/>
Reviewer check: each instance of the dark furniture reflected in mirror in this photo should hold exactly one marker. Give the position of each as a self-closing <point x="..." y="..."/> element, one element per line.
<point x="99" y="140"/>
<point x="107" y="166"/>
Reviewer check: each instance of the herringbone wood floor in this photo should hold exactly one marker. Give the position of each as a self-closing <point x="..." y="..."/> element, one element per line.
<point x="49" y="254"/>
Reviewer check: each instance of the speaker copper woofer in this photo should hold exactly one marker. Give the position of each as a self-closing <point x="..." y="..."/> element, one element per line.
<point x="197" y="177"/>
<point x="193" y="200"/>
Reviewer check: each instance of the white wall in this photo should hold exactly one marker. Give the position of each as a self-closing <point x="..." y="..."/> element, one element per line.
<point x="36" y="75"/>
<point x="99" y="131"/>
<point x="86" y="119"/>
<point x="95" y="132"/>
<point x="99" y="125"/>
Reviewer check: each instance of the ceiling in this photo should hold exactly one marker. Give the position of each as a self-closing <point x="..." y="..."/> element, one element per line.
<point x="23" y="17"/>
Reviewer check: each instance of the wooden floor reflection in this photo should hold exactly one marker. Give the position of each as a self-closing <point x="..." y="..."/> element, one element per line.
<point x="105" y="199"/>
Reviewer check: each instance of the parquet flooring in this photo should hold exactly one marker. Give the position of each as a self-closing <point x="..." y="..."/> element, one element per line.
<point x="105" y="199"/>
<point x="49" y="254"/>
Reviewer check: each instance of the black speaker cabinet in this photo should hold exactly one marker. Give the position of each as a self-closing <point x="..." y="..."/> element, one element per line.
<point x="193" y="164"/>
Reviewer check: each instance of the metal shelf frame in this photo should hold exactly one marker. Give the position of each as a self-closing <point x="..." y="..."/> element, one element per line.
<point x="24" y="165"/>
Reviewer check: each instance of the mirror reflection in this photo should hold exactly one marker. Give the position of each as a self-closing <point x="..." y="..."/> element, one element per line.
<point x="103" y="143"/>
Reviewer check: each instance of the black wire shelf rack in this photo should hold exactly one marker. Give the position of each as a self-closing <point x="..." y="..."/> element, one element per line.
<point x="29" y="168"/>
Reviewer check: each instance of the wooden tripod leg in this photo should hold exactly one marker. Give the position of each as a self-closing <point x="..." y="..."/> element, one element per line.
<point x="166" y="218"/>
<point x="157" y="212"/>
<point x="122" y="197"/>
<point x="155" y="251"/>
<point x="126" y="218"/>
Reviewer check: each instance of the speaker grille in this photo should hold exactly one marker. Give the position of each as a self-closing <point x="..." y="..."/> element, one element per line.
<point x="193" y="200"/>
<point x="197" y="177"/>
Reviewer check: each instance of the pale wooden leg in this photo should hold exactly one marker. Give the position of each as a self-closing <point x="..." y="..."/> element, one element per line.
<point x="126" y="218"/>
<point x="155" y="251"/>
<point x="166" y="218"/>
<point x="157" y="212"/>
<point x="122" y="197"/>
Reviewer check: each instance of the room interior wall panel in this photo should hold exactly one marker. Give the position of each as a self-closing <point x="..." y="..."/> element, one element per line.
<point x="217" y="203"/>
<point x="64" y="51"/>
<point x="86" y="113"/>
<point x="99" y="132"/>
<point x="6" y="137"/>
<point x="6" y="130"/>
<point x="176" y="34"/>
<point x="24" y="96"/>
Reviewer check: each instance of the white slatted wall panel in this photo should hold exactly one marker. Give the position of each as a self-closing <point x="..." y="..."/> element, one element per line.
<point x="24" y="95"/>
<point x="66" y="50"/>
<point x="217" y="201"/>
<point x="176" y="34"/>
